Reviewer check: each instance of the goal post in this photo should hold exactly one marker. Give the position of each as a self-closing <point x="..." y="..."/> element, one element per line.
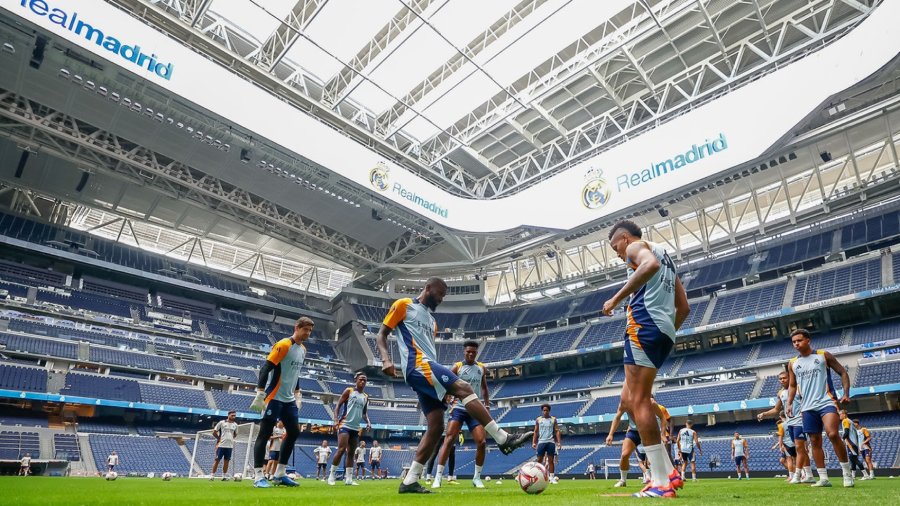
<point x="204" y="452"/>
<point x="614" y="463"/>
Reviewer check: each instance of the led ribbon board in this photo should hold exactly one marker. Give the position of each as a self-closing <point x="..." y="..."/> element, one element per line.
<point x="703" y="143"/>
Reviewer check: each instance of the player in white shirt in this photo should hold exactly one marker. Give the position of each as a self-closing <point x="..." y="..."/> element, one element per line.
<point x="322" y="453"/>
<point x="793" y="427"/>
<point x="740" y="453"/>
<point x="25" y="465"/>
<point x="360" y="456"/>
<point x="591" y="471"/>
<point x="810" y="376"/>
<point x="275" y="441"/>
<point x="375" y="459"/>
<point x="112" y="461"/>
<point x="225" y="432"/>
<point x="351" y="411"/>
<point x="547" y="440"/>
<point x="688" y="440"/>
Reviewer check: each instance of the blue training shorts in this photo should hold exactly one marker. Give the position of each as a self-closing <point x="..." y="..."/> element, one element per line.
<point x="430" y="381"/>
<point x="646" y="346"/>
<point x="812" y="419"/>
<point x="546" y="449"/>
<point x="464" y="418"/>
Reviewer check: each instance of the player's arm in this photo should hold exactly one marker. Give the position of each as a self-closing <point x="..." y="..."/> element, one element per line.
<point x="395" y="315"/>
<point x="341" y="402"/>
<point x="732" y="449"/>
<point x="697" y="443"/>
<point x="215" y="434"/>
<point x="639" y="255"/>
<point x="678" y="441"/>
<point x="868" y="437"/>
<point x="746" y="451"/>
<point x="845" y="378"/>
<point x="682" y="308"/>
<point x="534" y="438"/>
<point x="769" y="412"/>
<point x="485" y="390"/>
<point x="615" y="425"/>
<point x="366" y="414"/>
<point x="792" y="392"/>
<point x="557" y="433"/>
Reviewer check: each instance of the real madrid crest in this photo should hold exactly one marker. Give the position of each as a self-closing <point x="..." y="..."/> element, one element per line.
<point x="379" y="176"/>
<point x="595" y="193"/>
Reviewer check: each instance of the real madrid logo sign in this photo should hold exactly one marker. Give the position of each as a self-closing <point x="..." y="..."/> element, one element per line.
<point x="595" y="193"/>
<point x="378" y="177"/>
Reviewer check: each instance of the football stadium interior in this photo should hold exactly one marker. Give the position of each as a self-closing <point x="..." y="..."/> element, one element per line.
<point x="181" y="180"/>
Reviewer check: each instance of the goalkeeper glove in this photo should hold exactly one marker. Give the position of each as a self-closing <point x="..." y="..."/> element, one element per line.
<point x="259" y="402"/>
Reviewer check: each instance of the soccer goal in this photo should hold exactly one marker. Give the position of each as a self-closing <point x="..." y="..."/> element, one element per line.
<point x="611" y="466"/>
<point x="204" y="452"/>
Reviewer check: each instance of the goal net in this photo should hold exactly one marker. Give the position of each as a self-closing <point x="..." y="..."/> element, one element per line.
<point x="204" y="452"/>
<point x="611" y="467"/>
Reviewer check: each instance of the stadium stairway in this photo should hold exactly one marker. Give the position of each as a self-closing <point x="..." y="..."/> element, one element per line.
<point x="789" y="290"/>
<point x="593" y="450"/>
<point x="846" y="337"/>
<point x="709" y="311"/>
<point x="757" y="388"/>
<point x="178" y="364"/>
<point x="88" y="466"/>
<point x="210" y="399"/>
<point x="673" y="371"/>
<point x="84" y="351"/>
<point x="579" y="337"/>
<point x="887" y="269"/>
<point x="534" y="336"/>
<point x="185" y="447"/>
<point x="586" y="406"/>
<point x="754" y="354"/>
<point x="135" y="314"/>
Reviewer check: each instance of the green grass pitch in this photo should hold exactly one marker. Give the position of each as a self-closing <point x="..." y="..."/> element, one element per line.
<point x="194" y="492"/>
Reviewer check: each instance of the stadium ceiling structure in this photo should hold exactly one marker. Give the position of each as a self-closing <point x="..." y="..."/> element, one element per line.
<point x="481" y="99"/>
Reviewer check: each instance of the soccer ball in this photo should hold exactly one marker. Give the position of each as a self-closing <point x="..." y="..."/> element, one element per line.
<point x="112" y="475"/>
<point x="293" y="476"/>
<point x="238" y="476"/>
<point x="167" y="476"/>
<point x="533" y="478"/>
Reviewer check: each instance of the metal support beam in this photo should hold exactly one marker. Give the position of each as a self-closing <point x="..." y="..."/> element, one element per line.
<point x="272" y="51"/>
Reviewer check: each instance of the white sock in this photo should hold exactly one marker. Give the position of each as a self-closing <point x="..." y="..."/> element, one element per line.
<point x="258" y="472"/>
<point x="656" y="454"/>
<point x="477" y="473"/>
<point x="439" y="473"/>
<point x="823" y="473"/>
<point x="499" y="435"/>
<point x="348" y="474"/>
<point x="552" y="475"/>
<point x="808" y="471"/>
<point x="845" y="467"/>
<point x="412" y="476"/>
<point x="693" y="475"/>
<point x="279" y="470"/>
<point x="623" y="474"/>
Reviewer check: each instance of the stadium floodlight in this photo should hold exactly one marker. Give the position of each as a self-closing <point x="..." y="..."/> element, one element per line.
<point x="245" y="155"/>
